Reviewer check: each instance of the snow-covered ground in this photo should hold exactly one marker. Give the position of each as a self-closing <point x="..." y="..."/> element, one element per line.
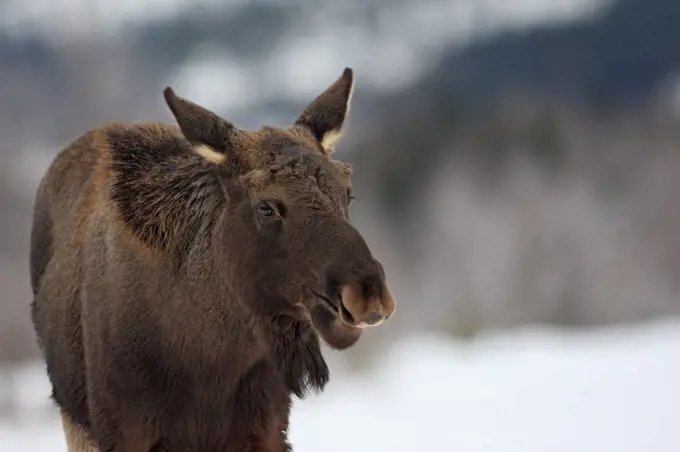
<point x="534" y="390"/>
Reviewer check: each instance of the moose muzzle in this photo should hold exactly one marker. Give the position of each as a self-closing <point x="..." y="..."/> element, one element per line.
<point x="365" y="311"/>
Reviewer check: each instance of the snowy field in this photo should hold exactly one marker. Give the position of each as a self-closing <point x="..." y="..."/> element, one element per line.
<point x="534" y="390"/>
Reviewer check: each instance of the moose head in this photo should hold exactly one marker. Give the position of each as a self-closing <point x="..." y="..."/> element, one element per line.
<point x="282" y="237"/>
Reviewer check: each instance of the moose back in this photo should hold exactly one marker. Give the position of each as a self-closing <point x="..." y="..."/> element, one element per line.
<point x="183" y="277"/>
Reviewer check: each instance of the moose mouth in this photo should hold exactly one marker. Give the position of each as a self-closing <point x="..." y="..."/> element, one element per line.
<point x="338" y="309"/>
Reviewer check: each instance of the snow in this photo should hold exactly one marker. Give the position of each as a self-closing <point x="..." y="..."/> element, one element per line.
<point x="531" y="390"/>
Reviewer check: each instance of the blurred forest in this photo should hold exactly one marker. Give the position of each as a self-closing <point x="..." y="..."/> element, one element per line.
<point x="527" y="176"/>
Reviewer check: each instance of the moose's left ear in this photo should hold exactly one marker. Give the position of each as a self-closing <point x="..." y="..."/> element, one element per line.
<point x="325" y="116"/>
<point x="199" y="125"/>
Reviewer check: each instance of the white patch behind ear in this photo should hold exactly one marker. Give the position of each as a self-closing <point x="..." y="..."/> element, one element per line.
<point x="331" y="137"/>
<point x="209" y="153"/>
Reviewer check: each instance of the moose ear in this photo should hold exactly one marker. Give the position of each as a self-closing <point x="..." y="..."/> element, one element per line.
<point x="325" y="116"/>
<point x="210" y="134"/>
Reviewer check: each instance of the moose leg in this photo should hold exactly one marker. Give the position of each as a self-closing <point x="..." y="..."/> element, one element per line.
<point x="76" y="438"/>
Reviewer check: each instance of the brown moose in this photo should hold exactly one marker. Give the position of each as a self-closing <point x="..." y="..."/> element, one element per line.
<point x="182" y="277"/>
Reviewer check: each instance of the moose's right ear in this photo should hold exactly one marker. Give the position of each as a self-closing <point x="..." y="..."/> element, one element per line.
<point x="210" y="134"/>
<point x="326" y="115"/>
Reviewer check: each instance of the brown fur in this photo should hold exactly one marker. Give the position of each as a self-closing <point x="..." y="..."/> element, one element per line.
<point x="183" y="276"/>
<point x="76" y="438"/>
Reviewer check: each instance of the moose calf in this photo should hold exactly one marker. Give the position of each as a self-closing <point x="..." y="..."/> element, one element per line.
<point x="182" y="278"/>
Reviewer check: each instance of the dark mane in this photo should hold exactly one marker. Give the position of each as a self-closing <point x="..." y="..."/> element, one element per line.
<point x="165" y="193"/>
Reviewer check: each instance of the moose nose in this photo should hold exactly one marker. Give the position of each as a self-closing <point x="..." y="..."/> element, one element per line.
<point x="361" y="311"/>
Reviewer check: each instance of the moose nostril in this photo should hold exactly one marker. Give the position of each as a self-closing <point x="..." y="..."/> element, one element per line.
<point x="373" y="318"/>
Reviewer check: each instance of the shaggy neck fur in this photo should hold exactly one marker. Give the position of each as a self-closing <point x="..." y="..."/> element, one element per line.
<point x="166" y="194"/>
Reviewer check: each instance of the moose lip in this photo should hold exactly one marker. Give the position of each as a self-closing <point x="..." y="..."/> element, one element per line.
<point x="338" y="309"/>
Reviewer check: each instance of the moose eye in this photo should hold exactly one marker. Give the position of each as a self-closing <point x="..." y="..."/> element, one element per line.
<point x="266" y="210"/>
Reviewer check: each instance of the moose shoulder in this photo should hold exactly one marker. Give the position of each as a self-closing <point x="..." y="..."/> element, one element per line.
<point x="184" y="275"/>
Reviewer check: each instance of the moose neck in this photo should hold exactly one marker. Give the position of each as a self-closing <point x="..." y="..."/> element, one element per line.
<point x="172" y="200"/>
<point x="166" y="194"/>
